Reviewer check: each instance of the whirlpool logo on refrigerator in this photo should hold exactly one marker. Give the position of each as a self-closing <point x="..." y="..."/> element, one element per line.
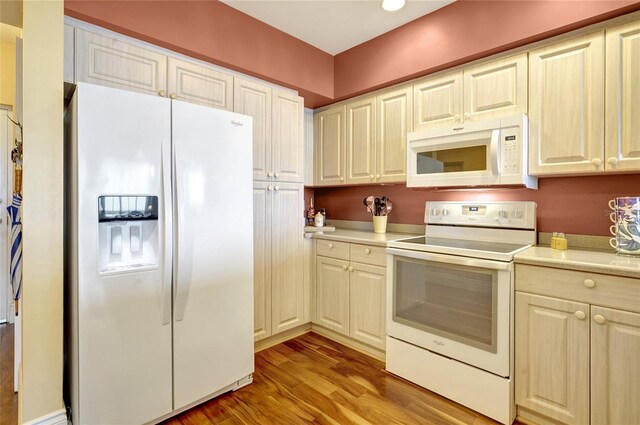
<point x="237" y="123"/>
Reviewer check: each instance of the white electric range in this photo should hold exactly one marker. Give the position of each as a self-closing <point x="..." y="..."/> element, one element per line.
<point x="450" y="302"/>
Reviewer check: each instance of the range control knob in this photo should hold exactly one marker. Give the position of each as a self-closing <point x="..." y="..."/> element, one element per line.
<point x="435" y="211"/>
<point x="503" y="214"/>
<point x="517" y="214"/>
<point x="445" y="212"/>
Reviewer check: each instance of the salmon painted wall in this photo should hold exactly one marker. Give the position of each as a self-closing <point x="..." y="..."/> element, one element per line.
<point x="575" y="205"/>
<point x="214" y="32"/>
<point x="461" y="32"/>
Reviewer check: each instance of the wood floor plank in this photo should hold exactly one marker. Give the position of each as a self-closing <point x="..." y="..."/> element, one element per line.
<point x="313" y="380"/>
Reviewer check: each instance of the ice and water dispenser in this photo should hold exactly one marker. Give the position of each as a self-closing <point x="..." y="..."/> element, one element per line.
<point x="128" y="233"/>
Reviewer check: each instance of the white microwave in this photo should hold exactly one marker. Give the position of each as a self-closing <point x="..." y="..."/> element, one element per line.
<point x="484" y="153"/>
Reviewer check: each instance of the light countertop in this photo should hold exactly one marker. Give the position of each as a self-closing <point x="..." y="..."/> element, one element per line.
<point x="361" y="236"/>
<point x="585" y="260"/>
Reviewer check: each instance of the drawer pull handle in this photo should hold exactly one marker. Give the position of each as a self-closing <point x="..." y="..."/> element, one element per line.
<point x="330" y="245"/>
<point x="589" y="283"/>
<point x="344" y="267"/>
<point x="580" y="315"/>
<point x="599" y="319"/>
<point x="350" y="268"/>
<point x="367" y="251"/>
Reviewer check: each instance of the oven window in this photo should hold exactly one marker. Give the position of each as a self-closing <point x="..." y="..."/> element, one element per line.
<point x="473" y="158"/>
<point x="456" y="302"/>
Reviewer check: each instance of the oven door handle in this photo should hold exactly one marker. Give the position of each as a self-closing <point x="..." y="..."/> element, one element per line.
<point x="451" y="259"/>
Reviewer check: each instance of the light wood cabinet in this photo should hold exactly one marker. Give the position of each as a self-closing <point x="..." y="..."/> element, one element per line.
<point x="496" y="89"/>
<point x="367" y="304"/>
<point x="394" y="112"/>
<point x="278" y="258"/>
<point x="622" y="97"/>
<point x="254" y="99"/>
<point x="437" y="101"/>
<point x="576" y="362"/>
<point x="361" y="146"/>
<point x="278" y="146"/>
<point x="195" y="83"/>
<point x="332" y="294"/>
<point x="287" y="141"/>
<point x="350" y="296"/>
<point x="552" y="357"/>
<point x="485" y="91"/>
<point x="330" y="142"/>
<point x="615" y="367"/>
<point x="110" y="62"/>
<point x="566" y="107"/>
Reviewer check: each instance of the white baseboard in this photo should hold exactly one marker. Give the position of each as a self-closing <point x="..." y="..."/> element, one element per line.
<point x="59" y="417"/>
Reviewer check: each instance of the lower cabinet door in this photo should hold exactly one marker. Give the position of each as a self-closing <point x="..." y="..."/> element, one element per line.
<point x="261" y="260"/>
<point x="367" y="302"/>
<point x="552" y="357"/>
<point x="332" y="294"/>
<point x="615" y="367"/>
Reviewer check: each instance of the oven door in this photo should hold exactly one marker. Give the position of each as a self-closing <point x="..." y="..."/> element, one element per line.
<point x="456" y="306"/>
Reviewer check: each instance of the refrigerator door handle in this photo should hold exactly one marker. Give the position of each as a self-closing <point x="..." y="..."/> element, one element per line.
<point x="165" y="170"/>
<point x="182" y="258"/>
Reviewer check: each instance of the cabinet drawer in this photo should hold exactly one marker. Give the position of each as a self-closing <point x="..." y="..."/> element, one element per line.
<point x="592" y="288"/>
<point x="332" y="249"/>
<point x="367" y="254"/>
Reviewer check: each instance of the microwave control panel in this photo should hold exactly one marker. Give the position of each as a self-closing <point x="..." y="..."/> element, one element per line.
<point x="511" y="147"/>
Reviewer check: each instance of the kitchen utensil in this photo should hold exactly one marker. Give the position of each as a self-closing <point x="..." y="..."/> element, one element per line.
<point x="369" y="201"/>
<point x="389" y="206"/>
<point x="377" y="207"/>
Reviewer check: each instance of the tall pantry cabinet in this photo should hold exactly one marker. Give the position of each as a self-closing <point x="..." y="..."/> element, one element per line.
<point x="278" y="205"/>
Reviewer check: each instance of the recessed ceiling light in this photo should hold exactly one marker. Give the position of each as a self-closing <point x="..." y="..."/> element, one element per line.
<point x="392" y="5"/>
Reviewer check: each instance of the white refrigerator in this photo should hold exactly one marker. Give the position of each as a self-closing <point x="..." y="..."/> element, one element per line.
<point x="160" y="255"/>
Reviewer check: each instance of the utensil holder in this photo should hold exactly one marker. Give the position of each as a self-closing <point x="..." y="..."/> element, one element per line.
<point x="379" y="224"/>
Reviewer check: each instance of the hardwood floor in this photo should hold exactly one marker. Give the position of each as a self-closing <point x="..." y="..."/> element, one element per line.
<point x="311" y="379"/>
<point x="8" y="399"/>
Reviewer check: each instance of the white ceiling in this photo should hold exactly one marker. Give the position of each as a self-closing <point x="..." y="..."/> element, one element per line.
<point x="334" y="25"/>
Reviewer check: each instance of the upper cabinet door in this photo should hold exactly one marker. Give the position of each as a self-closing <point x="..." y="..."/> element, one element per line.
<point x="330" y="146"/>
<point x="394" y="112"/>
<point x="496" y="89"/>
<point x="615" y="366"/>
<point x="198" y="84"/>
<point x="109" y="62"/>
<point x="623" y="98"/>
<point x="566" y="107"/>
<point x="255" y="100"/>
<point x="288" y="137"/>
<point x="438" y="102"/>
<point x="361" y="152"/>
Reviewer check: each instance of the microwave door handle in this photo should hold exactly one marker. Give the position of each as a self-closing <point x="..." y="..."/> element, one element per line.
<point x="495" y="151"/>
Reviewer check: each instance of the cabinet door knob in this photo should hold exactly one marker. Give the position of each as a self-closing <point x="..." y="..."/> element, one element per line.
<point x="596" y="161"/>
<point x="377" y="176"/>
<point x="367" y="251"/>
<point x="589" y="283"/>
<point x="330" y="245"/>
<point x="277" y="175"/>
<point x="341" y="179"/>
<point x="162" y="93"/>
<point x="350" y="268"/>
<point x="344" y="267"/>
<point x="580" y="315"/>
<point x="269" y="187"/>
<point x="612" y="161"/>
<point x="599" y="319"/>
<point x="173" y="96"/>
<point x="269" y="174"/>
<point x="277" y="187"/>
<point x="457" y="118"/>
<point x="372" y="176"/>
<point x="467" y="116"/>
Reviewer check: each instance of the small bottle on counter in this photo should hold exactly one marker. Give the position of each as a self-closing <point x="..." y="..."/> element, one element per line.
<point x="561" y="242"/>
<point x="554" y="240"/>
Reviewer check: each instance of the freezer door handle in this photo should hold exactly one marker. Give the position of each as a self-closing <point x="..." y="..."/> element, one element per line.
<point x="182" y="264"/>
<point x="165" y="170"/>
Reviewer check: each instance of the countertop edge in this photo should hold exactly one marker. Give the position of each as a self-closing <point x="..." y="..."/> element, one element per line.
<point x="566" y="264"/>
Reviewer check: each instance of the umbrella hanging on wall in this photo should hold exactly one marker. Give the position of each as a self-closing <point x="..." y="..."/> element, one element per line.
<point x="14" y="215"/>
